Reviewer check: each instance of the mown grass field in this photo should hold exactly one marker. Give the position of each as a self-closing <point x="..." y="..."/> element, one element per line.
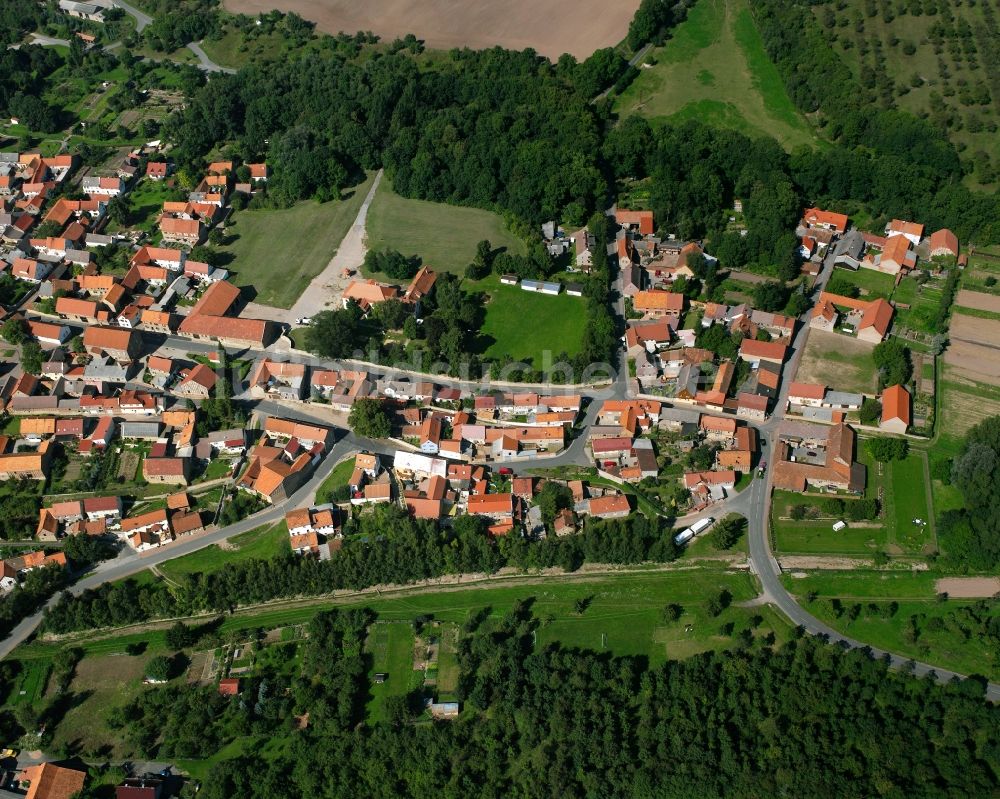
<point x="625" y="607"/>
<point x="715" y="69"/>
<point x="816" y="536"/>
<point x="391" y="649"/>
<point x="871" y="284"/>
<point x="909" y="501"/>
<point x="278" y="251"/>
<point x="448" y="670"/>
<point x="525" y="325"/>
<point x="262" y="543"/>
<point x="444" y="236"/>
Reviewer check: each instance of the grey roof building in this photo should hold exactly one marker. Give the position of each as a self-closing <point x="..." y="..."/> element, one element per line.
<point x="140" y="429"/>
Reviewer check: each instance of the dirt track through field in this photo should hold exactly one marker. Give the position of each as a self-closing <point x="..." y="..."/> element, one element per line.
<point x="978" y="300"/>
<point x="968" y="587"/>
<point x="552" y="27"/>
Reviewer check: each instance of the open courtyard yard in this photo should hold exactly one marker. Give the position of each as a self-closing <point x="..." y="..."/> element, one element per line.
<point x="277" y="251"/>
<point x="443" y="236"/>
<point x="714" y="69"/>
<point x="838" y="361"/>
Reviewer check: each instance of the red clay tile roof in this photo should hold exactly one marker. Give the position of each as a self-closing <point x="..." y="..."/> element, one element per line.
<point x="896" y="404"/>
<point x="217" y="300"/>
<point x="812" y="391"/>
<point x="612" y="503"/>
<point x="48" y="781"/>
<point x="768" y="350"/>
<point x="259" y="331"/>
<point x="657" y="300"/>
<point x="816" y="216"/>
<point x="108" y="338"/>
<point x="944" y="239"/>
<point x="906" y="228"/>
<point x="644" y="220"/>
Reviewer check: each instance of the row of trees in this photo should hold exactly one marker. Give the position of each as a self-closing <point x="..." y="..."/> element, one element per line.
<point x="387" y="546"/>
<point x="970" y="536"/>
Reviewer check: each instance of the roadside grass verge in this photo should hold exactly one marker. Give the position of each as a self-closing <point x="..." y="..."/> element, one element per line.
<point x="263" y="543"/>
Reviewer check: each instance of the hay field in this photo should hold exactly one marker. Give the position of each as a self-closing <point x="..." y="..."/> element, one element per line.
<point x="552" y="27"/>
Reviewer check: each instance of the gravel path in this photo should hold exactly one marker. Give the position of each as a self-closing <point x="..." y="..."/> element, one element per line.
<point x="325" y="289"/>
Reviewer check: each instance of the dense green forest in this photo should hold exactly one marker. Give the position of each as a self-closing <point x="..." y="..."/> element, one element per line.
<point x="387" y="546"/>
<point x="514" y="132"/>
<point x="805" y="720"/>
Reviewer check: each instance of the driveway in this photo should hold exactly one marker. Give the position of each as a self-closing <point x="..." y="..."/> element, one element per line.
<point x="48" y="41"/>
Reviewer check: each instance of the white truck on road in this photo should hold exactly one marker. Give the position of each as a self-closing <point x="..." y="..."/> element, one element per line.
<point x="698" y="527"/>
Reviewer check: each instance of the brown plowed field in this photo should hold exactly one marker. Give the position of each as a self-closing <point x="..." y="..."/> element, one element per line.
<point x="978" y="363"/>
<point x="975" y="348"/>
<point x="978" y="300"/>
<point x="552" y="27"/>
<point x="968" y="587"/>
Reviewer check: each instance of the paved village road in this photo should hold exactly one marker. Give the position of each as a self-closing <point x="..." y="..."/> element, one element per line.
<point x="141" y="19"/>
<point x="754" y="502"/>
<point x="206" y="63"/>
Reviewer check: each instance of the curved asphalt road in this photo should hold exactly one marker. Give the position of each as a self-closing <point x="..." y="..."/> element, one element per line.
<point x="754" y="503"/>
<point x="141" y="19"/>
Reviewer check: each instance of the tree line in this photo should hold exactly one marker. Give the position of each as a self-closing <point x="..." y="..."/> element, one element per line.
<point x="970" y="536"/>
<point x="386" y="546"/>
